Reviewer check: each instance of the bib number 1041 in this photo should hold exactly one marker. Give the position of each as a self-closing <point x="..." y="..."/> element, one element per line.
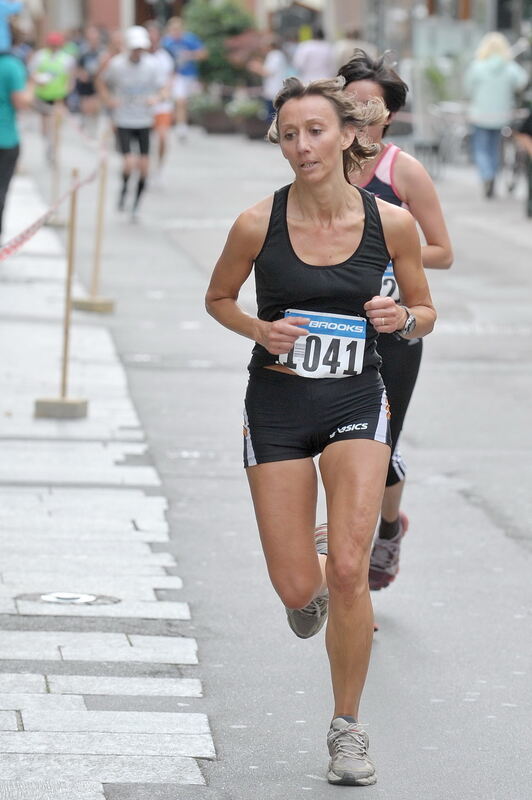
<point x="333" y="348"/>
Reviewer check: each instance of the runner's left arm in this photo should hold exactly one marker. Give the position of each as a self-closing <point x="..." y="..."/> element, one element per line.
<point x="418" y="191"/>
<point x="403" y="244"/>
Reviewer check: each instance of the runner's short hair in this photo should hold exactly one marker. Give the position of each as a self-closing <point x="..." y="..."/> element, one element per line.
<point x="348" y="110"/>
<point x="361" y="67"/>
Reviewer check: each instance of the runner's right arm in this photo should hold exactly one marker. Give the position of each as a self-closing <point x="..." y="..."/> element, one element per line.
<point x="233" y="268"/>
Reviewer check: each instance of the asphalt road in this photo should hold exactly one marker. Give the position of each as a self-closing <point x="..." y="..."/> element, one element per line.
<point x="448" y="698"/>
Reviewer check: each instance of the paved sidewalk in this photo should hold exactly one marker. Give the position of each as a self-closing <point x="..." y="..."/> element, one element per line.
<point x="93" y="693"/>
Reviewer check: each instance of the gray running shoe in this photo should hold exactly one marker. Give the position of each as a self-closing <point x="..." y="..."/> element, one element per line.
<point x="350" y="764"/>
<point x="306" y="622"/>
<point x="384" y="561"/>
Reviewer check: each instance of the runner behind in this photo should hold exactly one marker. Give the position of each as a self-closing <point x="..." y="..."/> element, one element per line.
<point x="400" y="179"/>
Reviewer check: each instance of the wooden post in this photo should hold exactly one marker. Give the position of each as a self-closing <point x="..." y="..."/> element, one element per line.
<point x="71" y="247"/>
<point x="55" y="220"/>
<point x="94" y="302"/>
<point x="63" y="407"/>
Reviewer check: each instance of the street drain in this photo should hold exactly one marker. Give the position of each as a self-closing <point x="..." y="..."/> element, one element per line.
<point x="70" y="598"/>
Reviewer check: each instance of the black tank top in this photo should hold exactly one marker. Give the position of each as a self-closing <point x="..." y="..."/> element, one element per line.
<point x="383" y="190"/>
<point x="285" y="281"/>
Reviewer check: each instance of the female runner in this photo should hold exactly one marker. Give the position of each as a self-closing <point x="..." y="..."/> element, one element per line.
<point x="320" y="247"/>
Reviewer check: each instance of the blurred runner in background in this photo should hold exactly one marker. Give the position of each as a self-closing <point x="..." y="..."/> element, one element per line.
<point x="187" y="50"/>
<point x="131" y="87"/>
<point x="164" y="110"/>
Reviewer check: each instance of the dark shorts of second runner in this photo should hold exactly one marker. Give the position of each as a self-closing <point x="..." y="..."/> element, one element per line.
<point x="400" y="366"/>
<point x="288" y="417"/>
<point x="141" y="137"/>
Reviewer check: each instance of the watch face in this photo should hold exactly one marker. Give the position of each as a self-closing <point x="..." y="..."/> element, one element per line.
<point x="410" y="324"/>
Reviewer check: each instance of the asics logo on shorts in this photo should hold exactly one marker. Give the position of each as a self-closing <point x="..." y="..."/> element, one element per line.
<point x="355" y="426"/>
<point x="336" y="326"/>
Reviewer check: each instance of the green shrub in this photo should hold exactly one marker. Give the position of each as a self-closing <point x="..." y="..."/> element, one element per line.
<point x="214" y="23"/>
<point x="200" y="103"/>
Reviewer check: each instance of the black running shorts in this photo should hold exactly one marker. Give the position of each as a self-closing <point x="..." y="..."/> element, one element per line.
<point x="124" y="137"/>
<point x="400" y="366"/>
<point x="287" y="416"/>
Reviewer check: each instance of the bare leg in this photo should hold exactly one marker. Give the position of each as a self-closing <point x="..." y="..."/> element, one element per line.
<point x="391" y="502"/>
<point x="353" y="475"/>
<point x="284" y="495"/>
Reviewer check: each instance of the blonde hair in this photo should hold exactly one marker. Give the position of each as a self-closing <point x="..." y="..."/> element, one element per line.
<point x="493" y="44"/>
<point x="348" y="110"/>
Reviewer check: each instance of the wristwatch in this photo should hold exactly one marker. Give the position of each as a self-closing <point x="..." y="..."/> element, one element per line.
<point x="410" y="323"/>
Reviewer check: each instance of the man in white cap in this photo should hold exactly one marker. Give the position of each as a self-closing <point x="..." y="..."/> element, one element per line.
<point x="131" y="86"/>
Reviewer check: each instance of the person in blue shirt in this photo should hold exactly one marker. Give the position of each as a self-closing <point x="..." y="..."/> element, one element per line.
<point x="187" y="50"/>
<point x="7" y="9"/>
<point x="14" y="95"/>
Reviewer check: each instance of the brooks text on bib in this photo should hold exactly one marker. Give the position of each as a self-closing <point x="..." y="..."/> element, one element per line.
<point x="333" y="348"/>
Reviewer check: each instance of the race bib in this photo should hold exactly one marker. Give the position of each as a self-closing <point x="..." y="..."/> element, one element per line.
<point x="333" y="348"/>
<point x="389" y="286"/>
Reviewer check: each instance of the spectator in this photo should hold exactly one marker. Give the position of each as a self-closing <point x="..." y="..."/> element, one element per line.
<point x="273" y="70"/>
<point x="187" y="50"/>
<point x="89" y="59"/>
<point x="314" y="58"/>
<point x="491" y="82"/>
<point x="7" y="9"/>
<point x="14" y="95"/>
<point x="344" y="48"/>
<point x="524" y="139"/>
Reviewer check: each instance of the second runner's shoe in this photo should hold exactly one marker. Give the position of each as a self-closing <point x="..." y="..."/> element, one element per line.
<point x="306" y="622"/>
<point x="384" y="561"/>
<point x="350" y="764"/>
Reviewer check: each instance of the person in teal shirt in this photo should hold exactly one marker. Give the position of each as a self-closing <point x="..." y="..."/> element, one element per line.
<point x="7" y="9"/>
<point x="14" y="95"/>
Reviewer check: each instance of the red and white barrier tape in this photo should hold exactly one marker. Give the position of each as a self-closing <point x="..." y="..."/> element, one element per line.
<point x="14" y="244"/>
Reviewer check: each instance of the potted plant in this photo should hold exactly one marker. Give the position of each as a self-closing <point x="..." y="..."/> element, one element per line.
<point x="208" y="110"/>
<point x="251" y="115"/>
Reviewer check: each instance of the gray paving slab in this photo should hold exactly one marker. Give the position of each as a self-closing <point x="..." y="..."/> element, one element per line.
<point x="141" y="610"/>
<point x="134" y="581"/>
<point x="104" y="769"/>
<point x="89" y="685"/>
<point x="68" y="646"/>
<point x="94" y="563"/>
<point x="28" y="639"/>
<point x="159" y="791"/>
<point x="65" y="529"/>
<point x="47" y="703"/>
<point x="49" y="546"/>
<point x="8" y="721"/>
<point x="22" y="268"/>
<point x="23" y="682"/>
<point x="190" y="745"/>
<point x="161" y="705"/>
<point x="115" y="721"/>
<point x="83" y="463"/>
<point x="51" y="790"/>
<point x="183" y="652"/>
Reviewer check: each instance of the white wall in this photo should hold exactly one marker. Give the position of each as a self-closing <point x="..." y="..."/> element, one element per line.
<point x="127" y="13"/>
<point x="63" y="14"/>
